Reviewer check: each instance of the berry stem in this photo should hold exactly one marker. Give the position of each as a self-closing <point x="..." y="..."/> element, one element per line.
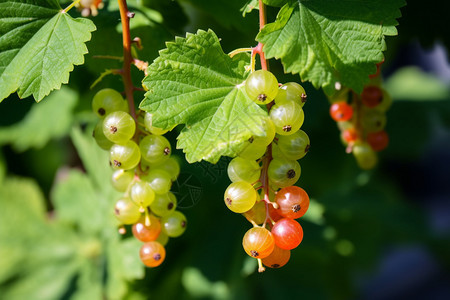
<point x="262" y="23"/>
<point x="70" y="6"/>
<point x="127" y="58"/>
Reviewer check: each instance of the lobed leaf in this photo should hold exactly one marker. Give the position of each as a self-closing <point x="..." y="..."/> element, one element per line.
<point x="194" y="82"/>
<point x="330" y="41"/>
<point x="39" y="45"/>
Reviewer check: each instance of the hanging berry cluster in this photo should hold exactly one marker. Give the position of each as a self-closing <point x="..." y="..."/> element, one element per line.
<point x="144" y="172"/>
<point x="362" y="119"/>
<point x="268" y="164"/>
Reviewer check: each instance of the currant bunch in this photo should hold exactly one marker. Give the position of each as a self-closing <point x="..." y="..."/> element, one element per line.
<point x="269" y="165"/>
<point x="90" y="7"/>
<point x="143" y="171"/>
<point x="361" y="120"/>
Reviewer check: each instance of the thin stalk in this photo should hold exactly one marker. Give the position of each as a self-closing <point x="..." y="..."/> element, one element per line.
<point x="70" y="6"/>
<point x="125" y="15"/>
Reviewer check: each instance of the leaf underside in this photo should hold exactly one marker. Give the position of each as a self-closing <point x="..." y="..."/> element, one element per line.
<point x="330" y="41"/>
<point x="39" y="46"/>
<point x="194" y="82"/>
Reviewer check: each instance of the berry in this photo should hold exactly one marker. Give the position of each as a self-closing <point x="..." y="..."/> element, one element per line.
<point x="174" y="224"/>
<point x="278" y="258"/>
<point x="240" y="169"/>
<point x="125" y="156"/>
<point x="155" y="149"/>
<point x="119" y="127"/>
<point x="107" y="101"/>
<point x="341" y="111"/>
<point x="371" y="96"/>
<point x="152" y="254"/>
<point x="240" y="196"/>
<point x="147" y="233"/>
<point x="261" y="86"/>
<point x="378" y="140"/>
<point x="283" y="172"/>
<point x="287" y="233"/>
<point x="293" y="202"/>
<point x="287" y="117"/>
<point x="126" y="211"/>
<point x="258" y="242"/>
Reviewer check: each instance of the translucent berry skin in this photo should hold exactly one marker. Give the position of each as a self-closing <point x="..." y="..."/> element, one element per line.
<point x="171" y="166"/>
<point x="278" y="258"/>
<point x="152" y="254"/>
<point x="146" y="233"/>
<point x="164" y="204"/>
<point x="261" y="86"/>
<point x="378" y="140"/>
<point x="365" y="156"/>
<point x="293" y="202"/>
<point x="125" y="156"/>
<point x="155" y="149"/>
<point x="119" y="127"/>
<point x="287" y="117"/>
<point x="126" y="211"/>
<point x="240" y="169"/>
<point x="159" y="180"/>
<point x="174" y="224"/>
<point x="371" y="96"/>
<point x="283" y="172"/>
<point x="341" y="111"/>
<point x="107" y="101"/>
<point x="287" y="233"/>
<point x="258" y="242"/>
<point x="291" y="91"/>
<point x="240" y="196"/>
<point x="294" y="146"/>
<point x="142" y="194"/>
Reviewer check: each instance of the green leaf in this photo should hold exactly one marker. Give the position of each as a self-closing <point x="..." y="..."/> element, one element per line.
<point x="39" y="45"/>
<point x="45" y="121"/>
<point x="329" y="41"/>
<point x="194" y="82"/>
<point x="77" y="203"/>
<point x="249" y="6"/>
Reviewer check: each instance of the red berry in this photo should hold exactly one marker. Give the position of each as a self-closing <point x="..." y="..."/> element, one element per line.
<point x="378" y="140"/>
<point x="274" y="213"/>
<point x="371" y="96"/>
<point x="349" y="135"/>
<point x="341" y="111"/>
<point x="287" y="233"/>
<point x="147" y="233"/>
<point x="293" y="202"/>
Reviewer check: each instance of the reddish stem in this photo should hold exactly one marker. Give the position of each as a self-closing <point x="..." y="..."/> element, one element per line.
<point x="125" y="15"/>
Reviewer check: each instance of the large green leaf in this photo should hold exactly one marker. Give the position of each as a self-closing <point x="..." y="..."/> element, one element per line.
<point x="47" y="120"/>
<point x="329" y="41"/>
<point x="39" y="45"/>
<point x="194" y="82"/>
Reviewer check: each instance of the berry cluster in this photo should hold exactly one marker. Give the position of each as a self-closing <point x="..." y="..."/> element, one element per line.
<point x="273" y="212"/>
<point x="90" y="7"/>
<point x="144" y="172"/>
<point x="361" y="120"/>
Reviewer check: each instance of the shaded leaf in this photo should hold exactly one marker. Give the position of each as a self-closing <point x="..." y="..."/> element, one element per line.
<point x="45" y="121"/>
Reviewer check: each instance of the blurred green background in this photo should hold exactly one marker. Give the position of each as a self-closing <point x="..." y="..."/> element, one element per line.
<point x="380" y="234"/>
